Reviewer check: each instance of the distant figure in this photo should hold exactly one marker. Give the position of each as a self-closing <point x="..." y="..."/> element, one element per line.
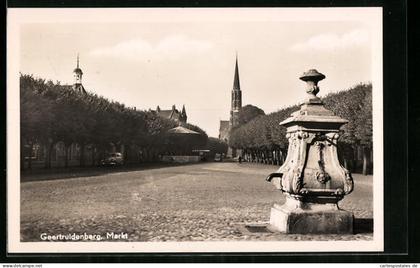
<point x="240" y="159"/>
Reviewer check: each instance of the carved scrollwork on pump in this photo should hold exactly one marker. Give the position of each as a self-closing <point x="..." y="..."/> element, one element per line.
<point x="297" y="182"/>
<point x="348" y="183"/>
<point x="321" y="175"/>
<point x="302" y="135"/>
<point x="332" y="138"/>
<point x="307" y="137"/>
<point x="339" y="192"/>
<point x="303" y="191"/>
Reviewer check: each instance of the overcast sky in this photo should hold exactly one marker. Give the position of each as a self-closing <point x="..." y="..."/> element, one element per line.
<point x="187" y="60"/>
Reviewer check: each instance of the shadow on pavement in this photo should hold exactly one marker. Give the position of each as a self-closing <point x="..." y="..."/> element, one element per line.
<point x="363" y="225"/>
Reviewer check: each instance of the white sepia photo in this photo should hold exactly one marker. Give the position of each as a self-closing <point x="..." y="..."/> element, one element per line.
<point x="194" y="130"/>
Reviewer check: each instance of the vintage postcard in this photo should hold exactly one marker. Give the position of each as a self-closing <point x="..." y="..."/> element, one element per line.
<point x="194" y="130"/>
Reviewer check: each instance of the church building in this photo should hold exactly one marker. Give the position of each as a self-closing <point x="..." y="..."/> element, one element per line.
<point x="77" y="74"/>
<point x="173" y="114"/>
<point x="236" y="106"/>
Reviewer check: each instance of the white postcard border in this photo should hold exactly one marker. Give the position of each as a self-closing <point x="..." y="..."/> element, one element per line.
<point x="16" y="17"/>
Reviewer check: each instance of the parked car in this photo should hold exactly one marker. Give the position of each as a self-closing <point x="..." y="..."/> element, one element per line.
<point x="218" y="157"/>
<point x="113" y="159"/>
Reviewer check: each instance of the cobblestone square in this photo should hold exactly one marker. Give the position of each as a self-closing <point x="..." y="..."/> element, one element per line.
<point x="200" y="202"/>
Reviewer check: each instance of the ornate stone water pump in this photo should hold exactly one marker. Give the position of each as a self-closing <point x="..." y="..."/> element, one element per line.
<point x="311" y="176"/>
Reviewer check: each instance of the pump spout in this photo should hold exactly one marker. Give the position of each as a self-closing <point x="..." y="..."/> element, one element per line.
<point x="273" y="175"/>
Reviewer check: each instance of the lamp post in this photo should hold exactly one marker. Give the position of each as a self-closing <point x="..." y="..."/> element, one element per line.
<point x="311" y="177"/>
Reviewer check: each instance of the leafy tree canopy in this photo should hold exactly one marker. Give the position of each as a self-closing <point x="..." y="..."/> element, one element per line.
<point x="249" y="112"/>
<point x="354" y="104"/>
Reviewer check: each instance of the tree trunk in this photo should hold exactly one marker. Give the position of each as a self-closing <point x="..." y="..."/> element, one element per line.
<point x="22" y="157"/>
<point x="50" y="155"/>
<point x="30" y="156"/>
<point x="48" y="158"/>
<point x="126" y="153"/>
<point x="140" y="154"/>
<point x="82" y="155"/>
<point x="45" y="156"/>
<point x="146" y="155"/>
<point x="66" y="156"/>
<point x="355" y="161"/>
<point x="93" y="156"/>
<point x="365" y="161"/>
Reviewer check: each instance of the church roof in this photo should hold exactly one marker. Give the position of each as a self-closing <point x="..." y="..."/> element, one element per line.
<point x="78" y="70"/>
<point x="165" y="113"/>
<point x="79" y="88"/>
<point x="182" y="130"/>
<point x="173" y="113"/>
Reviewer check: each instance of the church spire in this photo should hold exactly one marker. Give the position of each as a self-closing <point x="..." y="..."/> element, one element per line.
<point x="236" y="102"/>
<point x="183" y="114"/>
<point x="77" y="74"/>
<point x="77" y="69"/>
<point x="236" y="85"/>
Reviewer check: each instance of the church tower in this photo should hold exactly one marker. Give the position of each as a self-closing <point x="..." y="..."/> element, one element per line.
<point x="77" y="74"/>
<point x="183" y="116"/>
<point x="236" y="104"/>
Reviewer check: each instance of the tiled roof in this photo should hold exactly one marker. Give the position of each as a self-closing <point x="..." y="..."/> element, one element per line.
<point x="173" y="114"/>
<point x="79" y="88"/>
<point x="182" y="130"/>
<point x="165" y="113"/>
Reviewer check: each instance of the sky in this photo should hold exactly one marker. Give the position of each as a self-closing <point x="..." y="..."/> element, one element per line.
<point x="187" y="56"/>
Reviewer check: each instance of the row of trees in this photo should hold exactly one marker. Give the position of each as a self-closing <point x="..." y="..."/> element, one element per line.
<point x="215" y="145"/>
<point x="52" y="113"/>
<point x="262" y="139"/>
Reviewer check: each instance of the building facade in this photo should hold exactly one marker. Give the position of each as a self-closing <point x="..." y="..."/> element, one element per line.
<point x="224" y="130"/>
<point x="173" y="114"/>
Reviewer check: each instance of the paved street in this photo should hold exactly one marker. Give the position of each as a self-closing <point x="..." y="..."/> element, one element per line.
<point x="209" y="201"/>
